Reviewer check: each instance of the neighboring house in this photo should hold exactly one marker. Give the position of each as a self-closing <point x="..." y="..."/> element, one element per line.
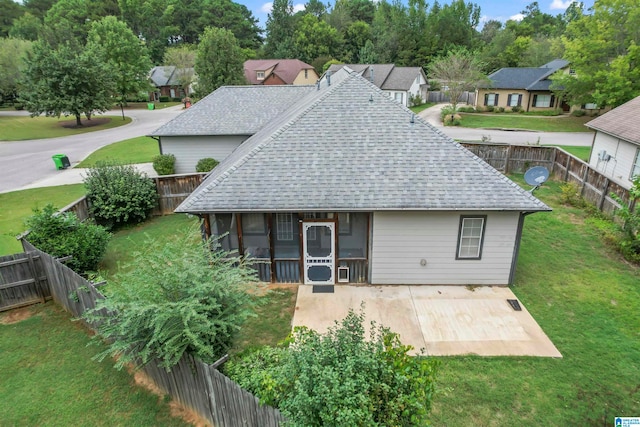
<point x="347" y="185"/>
<point x="399" y="83"/>
<point x="527" y="88"/>
<point x="166" y="80"/>
<point x="615" y="151"/>
<point x="279" y="72"/>
<point x="221" y="121"/>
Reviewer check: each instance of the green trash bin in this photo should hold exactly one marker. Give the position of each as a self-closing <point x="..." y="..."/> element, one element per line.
<point x="61" y="161"/>
<point x="151" y="106"/>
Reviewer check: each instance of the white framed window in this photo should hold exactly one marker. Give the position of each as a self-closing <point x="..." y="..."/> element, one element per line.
<point x="260" y="75"/>
<point x="542" y="101"/>
<point x="514" y="100"/>
<point x="398" y="96"/>
<point x="284" y="226"/>
<point x="635" y="170"/>
<point x="471" y="237"/>
<point x="491" y="99"/>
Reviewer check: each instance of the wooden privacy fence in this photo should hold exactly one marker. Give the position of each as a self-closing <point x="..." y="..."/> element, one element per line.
<point x="22" y="281"/>
<point x="172" y="190"/>
<point x="594" y="187"/>
<point x="194" y="384"/>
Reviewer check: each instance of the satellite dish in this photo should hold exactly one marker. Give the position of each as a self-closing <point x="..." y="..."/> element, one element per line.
<point x="536" y="176"/>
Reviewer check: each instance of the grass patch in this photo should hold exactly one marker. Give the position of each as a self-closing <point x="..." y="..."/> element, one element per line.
<point x="544" y="124"/>
<point x="16" y="206"/>
<point x="144" y="105"/>
<point x="587" y="301"/>
<point x="422" y="107"/>
<point x="49" y="379"/>
<point x="19" y="128"/>
<point x="582" y="153"/>
<point x="141" y="149"/>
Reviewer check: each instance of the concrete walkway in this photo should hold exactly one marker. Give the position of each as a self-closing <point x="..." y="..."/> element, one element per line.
<point x="442" y="320"/>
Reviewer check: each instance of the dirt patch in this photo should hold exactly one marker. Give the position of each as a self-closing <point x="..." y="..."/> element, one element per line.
<point x="177" y="409"/>
<point x="71" y="124"/>
<point x="16" y="315"/>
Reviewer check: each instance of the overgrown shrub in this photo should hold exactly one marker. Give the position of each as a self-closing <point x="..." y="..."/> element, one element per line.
<point x="341" y="378"/>
<point x="164" y="98"/>
<point x="119" y="194"/>
<point x="500" y="110"/>
<point x="415" y="100"/>
<point x="207" y="164"/>
<point x="446" y="111"/>
<point x="164" y="164"/>
<point x="516" y="109"/>
<point x="18" y="106"/>
<point x="489" y="108"/>
<point x="630" y="243"/>
<point x="175" y="298"/>
<point x="578" y="113"/>
<point x="466" y="109"/>
<point x="570" y="195"/>
<point x="64" y="234"/>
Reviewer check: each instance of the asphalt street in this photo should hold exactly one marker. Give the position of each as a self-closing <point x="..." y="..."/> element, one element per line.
<point x="28" y="164"/>
<point x="25" y="163"/>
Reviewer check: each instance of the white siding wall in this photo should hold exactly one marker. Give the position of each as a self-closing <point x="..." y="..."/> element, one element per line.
<point x="402" y="239"/>
<point x="622" y="153"/>
<point x="415" y="88"/>
<point x="189" y="149"/>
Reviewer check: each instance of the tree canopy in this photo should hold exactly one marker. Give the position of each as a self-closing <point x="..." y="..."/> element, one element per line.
<point x="219" y="60"/>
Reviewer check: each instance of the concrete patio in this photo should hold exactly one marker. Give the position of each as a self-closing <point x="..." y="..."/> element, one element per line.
<point x="442" y="320"/>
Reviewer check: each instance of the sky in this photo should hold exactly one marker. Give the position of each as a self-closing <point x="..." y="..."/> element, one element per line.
<point x="501" y="10"/>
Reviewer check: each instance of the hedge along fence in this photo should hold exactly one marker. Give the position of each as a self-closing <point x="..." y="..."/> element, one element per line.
<point x="196" y="385"/>
<point x="593" y="186"/>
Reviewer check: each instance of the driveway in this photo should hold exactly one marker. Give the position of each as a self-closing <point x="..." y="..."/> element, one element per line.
<point x="432" y="116"/>
<point x="24" y="163"/>
<point x="442" y="320"/>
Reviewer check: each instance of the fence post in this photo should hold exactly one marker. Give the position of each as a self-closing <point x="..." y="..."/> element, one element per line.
<point x="585" y="175"/>
<point x="507" y="160"/>
<point x="603" y="197"/>
<point x="553" y="161"/>
<point x="36" y="276"/>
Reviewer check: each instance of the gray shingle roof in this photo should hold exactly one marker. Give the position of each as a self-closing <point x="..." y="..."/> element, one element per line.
<point x="165" y="75"/>
<point x="385" y="76"/>
<point x="401" y="78"/>
<point x="337" y="150"/>
<point x="234" y="110"/>
<point x="516" y="78"/>
<point x="621" y="122"/>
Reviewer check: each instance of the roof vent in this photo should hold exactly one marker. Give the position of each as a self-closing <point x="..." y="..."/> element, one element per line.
<point x="328" y="78"/>
<point x="370" y="97"/>
<point x="371" y="73"/>
<point x="413" y="118"/>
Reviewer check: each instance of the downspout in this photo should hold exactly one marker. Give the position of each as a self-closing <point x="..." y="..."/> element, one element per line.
<point x="157" y="138"/>
<point x="516" y="248"/>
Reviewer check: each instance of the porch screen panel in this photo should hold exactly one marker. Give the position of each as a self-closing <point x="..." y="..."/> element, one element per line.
<point x="255" y="237"/>
<point x="286" y="242"/>
<point x="352" y="235"/>
<point x="225" y="230"/>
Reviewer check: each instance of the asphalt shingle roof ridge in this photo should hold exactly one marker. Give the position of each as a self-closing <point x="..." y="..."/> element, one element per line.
<point x="252" y="149"/>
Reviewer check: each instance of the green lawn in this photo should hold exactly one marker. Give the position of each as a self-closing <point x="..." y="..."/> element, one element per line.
<point x="16" y="206"/>
<point x="49" y="379"/>
<point x="580" y="152"/>
<point x="141" y="149"/>
<point x="144" y="105"/>
<point x="515" y="121"/>
<point x="422" y="107"/>
<point x="587" y="300"/>
<point x="19" y="128"/>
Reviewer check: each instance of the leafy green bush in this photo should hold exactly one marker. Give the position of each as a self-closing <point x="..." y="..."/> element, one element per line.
<point x="489" y="108"/>
<point x="466" y="109"/>
<point x="119" y="194"/>
<point x="164" y="164"/>
<point x="516" y="109"/>
<point x="64" y="234"/>
<point x="446" y="111"/>
<point x="175" y="298"/>
<point x="341" y="378"/>
<point x="578" y="113"/>
<point x="207" y="164"/>
<point x="176" y="99"/>
<point x="570" y="195"/>
<point x="18" y="106"/>
<point x="164" y="98"/>
<point x="500" y="110"/>
<point x="415" y="100"/>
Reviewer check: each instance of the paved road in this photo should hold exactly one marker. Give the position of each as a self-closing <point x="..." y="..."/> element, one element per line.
<point x="432" y="115"/>
<point x="25" y="163"/>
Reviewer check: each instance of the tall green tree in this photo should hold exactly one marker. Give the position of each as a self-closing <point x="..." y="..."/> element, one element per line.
<point x="183" y="58"/>
<point x="112" y="42"/>
<point x="9" y="10"/>
<point x="219" y="60"/>
<point x="38" y="8"/>
<point x="280" y="28"/>
<point x="145" y="18"/>
<point x="65" y="80"/>
<point x="13" y="53"/>
<point x="67" y="21"/>
<point x="313" y="38"/>
<point x="602" y="48"/>
<point x="234" y="17"/>
<point x="27" y="27"/>
<point x="459" y="71"/>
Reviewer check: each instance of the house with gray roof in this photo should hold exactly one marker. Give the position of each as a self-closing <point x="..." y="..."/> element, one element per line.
<point x="221" y="121"/>
<point x="399" y="83"/>
<point x="168" y="81"/>
<point x="615" y="151"/>
<point x="525" y="88"/>
<point x="348" y="185"/>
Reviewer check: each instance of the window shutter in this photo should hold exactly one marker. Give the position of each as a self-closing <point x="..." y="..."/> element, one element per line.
<point x="553" y="98"/>
<point x="535" y="99"/>
<point x="509" y="100"/>
<point x="519" y="100"/>
<point x="496" y="100"/>
<point x="486" y="98"/>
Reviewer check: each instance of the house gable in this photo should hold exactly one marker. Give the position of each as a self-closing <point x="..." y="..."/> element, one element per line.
<point x="279" y="71"/>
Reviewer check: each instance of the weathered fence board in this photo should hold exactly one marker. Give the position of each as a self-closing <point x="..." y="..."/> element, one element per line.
<point x="21" y="281"/>
<point x="80" y="207"/>
<point x="439" y="96"/>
